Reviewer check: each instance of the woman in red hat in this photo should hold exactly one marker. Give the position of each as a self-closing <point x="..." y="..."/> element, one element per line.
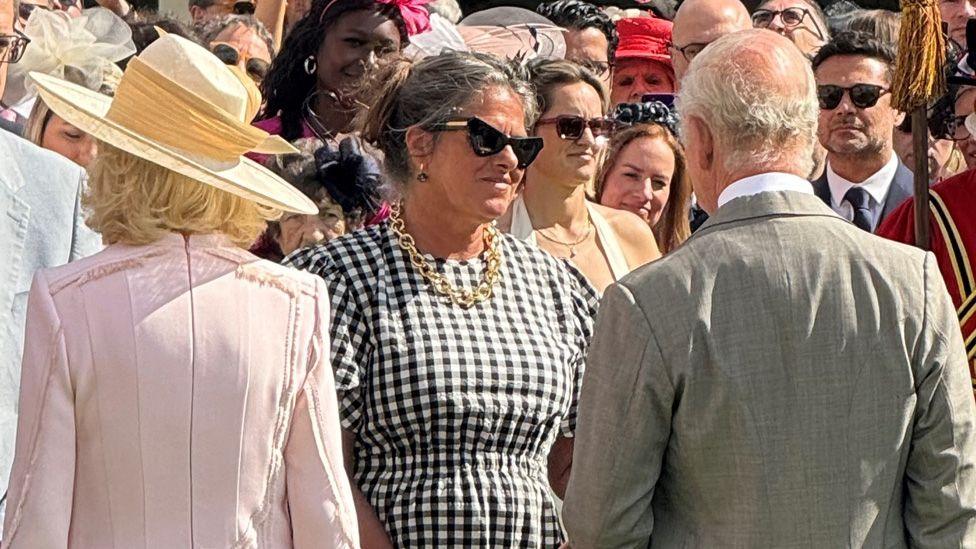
<point x="642" y="64"/>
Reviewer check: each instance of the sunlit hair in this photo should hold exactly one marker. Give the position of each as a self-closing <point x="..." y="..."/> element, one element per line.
<point x="548" y="75"/>
<point x="40" y="115"/>
<point x="673" y="228"/>
<point x="882" y="24"/>
<point x="133" y="201"/>
<point x="756" y="122"/>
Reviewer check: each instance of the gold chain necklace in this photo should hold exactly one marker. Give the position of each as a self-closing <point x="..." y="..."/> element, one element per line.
<point x="465" y="297"/>
<point x="571" y="245"/>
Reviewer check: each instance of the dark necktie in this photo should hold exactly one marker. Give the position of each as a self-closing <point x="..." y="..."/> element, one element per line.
<point x="861" y="201"/>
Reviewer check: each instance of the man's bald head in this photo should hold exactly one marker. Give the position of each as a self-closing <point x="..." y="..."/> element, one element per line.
<point x="702" y="22"/>
<point x="749" y="105"/>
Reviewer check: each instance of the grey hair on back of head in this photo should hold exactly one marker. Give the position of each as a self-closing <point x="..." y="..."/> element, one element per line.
<point x="430" y="92"/>
<point x="756" y="122"/>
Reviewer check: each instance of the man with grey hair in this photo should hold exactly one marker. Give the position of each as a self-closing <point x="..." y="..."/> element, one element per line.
<point x="754" y="389"/>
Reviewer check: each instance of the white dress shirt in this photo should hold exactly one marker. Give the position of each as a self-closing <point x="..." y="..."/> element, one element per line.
<point x="877" y="187"/>
<point x="764" y="182"/>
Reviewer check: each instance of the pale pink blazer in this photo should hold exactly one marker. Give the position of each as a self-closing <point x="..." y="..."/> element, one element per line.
<point x="178" y="395"/>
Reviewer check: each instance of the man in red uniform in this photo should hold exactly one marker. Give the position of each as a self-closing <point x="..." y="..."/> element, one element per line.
<point x="953" y="241"/>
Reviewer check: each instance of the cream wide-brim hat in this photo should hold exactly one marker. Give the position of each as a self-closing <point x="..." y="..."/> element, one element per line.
<point x="89" y="111"/>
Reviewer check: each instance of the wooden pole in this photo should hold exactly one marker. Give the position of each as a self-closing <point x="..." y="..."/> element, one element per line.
<point x="920" y="145"/>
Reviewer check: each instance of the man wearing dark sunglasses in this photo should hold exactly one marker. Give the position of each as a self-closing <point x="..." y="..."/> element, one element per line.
<point x="864" y="180"/>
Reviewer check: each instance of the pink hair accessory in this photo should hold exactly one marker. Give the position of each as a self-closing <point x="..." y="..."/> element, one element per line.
<point x="415" y="16"/>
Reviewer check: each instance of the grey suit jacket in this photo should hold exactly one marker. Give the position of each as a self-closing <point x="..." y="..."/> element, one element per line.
<point x="902" y="188"/>
<point x="756" y="388"/>
<point x="41" y="225"/>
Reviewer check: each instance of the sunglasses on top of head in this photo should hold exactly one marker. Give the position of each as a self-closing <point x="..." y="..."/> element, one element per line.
<point x="572" y="127"/>
<point x="486" y="140"/>
<point x="863" y="96"/>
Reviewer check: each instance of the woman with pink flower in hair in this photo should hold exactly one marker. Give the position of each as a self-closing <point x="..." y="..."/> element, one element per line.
<point x="310" y="89"/>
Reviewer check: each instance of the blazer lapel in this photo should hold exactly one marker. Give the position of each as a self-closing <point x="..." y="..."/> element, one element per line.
<point x="902" y="188"/>
<point x="821" y="188"/>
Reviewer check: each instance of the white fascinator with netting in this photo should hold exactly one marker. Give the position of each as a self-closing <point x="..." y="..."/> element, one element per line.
<point x="83" y="50"/>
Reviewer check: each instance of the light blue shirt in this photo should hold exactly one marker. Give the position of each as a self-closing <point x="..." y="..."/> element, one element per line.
<point x="41" y="225"/>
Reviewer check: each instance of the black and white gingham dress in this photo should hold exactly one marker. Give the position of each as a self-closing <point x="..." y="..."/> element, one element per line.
<point x="455" y="410"/>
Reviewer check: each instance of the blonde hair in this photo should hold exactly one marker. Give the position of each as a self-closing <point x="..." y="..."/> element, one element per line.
<point x="674" y="227"/>
<point x="40" y="115"/>
<point x="133" y="201"/>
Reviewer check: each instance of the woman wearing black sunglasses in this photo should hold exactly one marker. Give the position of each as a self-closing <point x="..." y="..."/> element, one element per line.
<point x="553" y="211"/>
<point x="458" y="349"/>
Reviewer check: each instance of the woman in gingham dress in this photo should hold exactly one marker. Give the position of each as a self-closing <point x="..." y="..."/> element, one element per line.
<point x="458" y="350"/>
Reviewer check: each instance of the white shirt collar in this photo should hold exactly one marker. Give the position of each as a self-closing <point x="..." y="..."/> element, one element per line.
<point x="764" y="182"/>
<point x="877" y="185"/>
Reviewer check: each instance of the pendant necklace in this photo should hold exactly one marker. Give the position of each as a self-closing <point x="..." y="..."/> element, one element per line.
<point x="571" y="246"/>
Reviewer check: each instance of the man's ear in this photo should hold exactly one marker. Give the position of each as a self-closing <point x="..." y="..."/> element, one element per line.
<point x="196" y="13"/>
<point x="701" y="143"/>
<point x="899" y="118"/>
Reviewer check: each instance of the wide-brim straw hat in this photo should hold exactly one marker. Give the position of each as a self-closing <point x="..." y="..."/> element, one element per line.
<point x="180" y="107"/>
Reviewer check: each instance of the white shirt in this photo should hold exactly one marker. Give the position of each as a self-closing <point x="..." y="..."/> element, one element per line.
<point x="764" y="182"/>
<point x="877" y="187"/>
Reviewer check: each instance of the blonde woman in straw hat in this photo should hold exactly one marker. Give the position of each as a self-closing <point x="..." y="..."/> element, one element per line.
<point x="176" y="390"/>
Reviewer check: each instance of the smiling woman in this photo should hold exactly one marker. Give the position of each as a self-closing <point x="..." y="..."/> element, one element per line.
<point x="644" y="173"/>
<point x="311" y="85"/>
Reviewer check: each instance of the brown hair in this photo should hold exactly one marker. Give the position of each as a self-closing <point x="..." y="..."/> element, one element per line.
<point x="548" y="74"/>
<point x="674" y="227"/>
<point x="882" y="24"/>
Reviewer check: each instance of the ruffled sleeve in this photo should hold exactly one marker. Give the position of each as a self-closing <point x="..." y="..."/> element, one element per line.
<point x="349" y="331"/>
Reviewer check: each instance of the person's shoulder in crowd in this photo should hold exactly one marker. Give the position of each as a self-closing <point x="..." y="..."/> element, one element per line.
<point x="562" y="271"/>
<point x="357" y="254"/>
<point x="123" y="257"/>
<point x="733" y="248"/>
<point x="22" y="161"/>
<point x="633" y="233"/>
<point x="957" y="192"/>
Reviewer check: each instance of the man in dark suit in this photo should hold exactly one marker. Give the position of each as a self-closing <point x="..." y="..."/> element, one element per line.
<point x="864" y="180"/>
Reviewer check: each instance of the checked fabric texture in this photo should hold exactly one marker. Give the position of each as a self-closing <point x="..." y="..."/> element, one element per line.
<point x="455" y="410"/>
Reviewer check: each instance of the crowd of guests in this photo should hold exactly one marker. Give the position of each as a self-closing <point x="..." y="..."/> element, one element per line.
<point x="377" y="273"/>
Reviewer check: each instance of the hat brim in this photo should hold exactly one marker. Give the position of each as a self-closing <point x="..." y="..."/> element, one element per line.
<point x="643" y="56"/>
<point x="86" y="110"/>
